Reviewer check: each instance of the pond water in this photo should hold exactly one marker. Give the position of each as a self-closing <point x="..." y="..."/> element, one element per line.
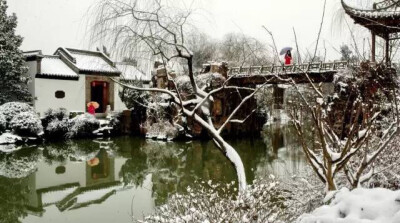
<point x="111" y="180"/>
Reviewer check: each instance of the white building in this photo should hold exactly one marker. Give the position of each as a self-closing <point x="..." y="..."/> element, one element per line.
<point x="71" y="78"/>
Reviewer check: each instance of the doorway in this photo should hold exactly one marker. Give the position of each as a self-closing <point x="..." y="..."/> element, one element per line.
<point x="99" y="94"/>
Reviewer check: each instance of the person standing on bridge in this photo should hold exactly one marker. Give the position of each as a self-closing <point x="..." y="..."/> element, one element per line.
<point x="288" y="58"/>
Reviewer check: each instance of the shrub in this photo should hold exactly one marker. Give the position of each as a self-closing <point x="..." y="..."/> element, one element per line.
<point x="12" y="109"/>
<point x="82" y="126"/>
<point x="57" y="129"/>
<point x="115" y="123"/>
<point x="27" y="124"/>
<point x="3" y="123"/>
<point x="262" y="202"/>
<point x="53" y="114"/>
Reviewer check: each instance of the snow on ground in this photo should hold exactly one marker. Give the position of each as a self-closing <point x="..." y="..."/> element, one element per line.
<point x="360" y="205"/>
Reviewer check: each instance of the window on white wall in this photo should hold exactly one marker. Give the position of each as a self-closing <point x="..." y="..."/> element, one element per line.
<point x="60" y="94"/>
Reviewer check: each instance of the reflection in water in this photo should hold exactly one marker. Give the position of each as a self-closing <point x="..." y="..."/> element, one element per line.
<point x="285" y="158"/>
<point x="111" y="180"/>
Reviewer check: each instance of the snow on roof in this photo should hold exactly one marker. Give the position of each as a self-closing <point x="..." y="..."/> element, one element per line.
<point x="130" y="72"/>
<point x="55" y="67"/>
<point x="365" y="9"/>
<point x="53" y="197"/>
<point x="92" y="61"/>
<point x="93" y="195"/>
<point x="375" y="14"/>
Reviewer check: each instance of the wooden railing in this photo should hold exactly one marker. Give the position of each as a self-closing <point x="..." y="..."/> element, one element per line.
<point x="295" y="68"/>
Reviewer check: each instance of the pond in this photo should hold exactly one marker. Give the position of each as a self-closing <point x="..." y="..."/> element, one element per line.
<point x="111" y="180"/>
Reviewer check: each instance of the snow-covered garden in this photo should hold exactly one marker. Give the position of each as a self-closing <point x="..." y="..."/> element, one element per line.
<point x="19" y="124"/>
<point x="348" y="132"/>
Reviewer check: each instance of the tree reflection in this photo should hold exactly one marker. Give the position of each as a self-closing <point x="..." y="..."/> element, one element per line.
<point x="173" y="166"/>
<point x="13" y="198"/>
<point x="134" y="170"/>
<point x="15" y="169"/>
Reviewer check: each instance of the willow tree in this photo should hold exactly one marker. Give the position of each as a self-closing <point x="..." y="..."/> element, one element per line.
<point x="158" y="28"/>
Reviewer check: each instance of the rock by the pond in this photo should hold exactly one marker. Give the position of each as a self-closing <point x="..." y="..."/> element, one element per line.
<point x="8" y="148"/>
<point x="9" y="138"/>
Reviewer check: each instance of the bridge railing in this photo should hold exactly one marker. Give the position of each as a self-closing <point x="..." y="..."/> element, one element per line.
<point x="294" y="68"/>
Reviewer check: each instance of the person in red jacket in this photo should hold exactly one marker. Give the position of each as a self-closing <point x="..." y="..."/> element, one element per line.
<point x="288" y="58"/>
<point x="91" y="109"/>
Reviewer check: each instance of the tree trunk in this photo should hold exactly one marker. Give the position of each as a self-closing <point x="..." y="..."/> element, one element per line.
<point x="330" y="183"/>
<point x="236" y="161"/>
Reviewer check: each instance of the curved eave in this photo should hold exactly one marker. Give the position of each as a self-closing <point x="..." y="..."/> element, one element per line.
<point x="57" y="76"/>
<point x="100" y="72"/>
<point x="380" y="22"/>
<point x="370" y="14"/>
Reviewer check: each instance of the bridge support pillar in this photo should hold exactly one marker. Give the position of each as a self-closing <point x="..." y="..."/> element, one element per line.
<point x="373" y="41"/>
<point x="278" y="94"/>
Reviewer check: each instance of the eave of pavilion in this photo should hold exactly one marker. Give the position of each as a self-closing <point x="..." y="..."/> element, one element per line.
<point x="384" y="21"/>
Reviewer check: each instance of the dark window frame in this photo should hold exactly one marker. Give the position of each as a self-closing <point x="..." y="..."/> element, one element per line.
<point x="59" y="94"/>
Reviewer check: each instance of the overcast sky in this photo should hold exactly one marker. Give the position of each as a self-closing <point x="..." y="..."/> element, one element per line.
<point x="49" y="24"/>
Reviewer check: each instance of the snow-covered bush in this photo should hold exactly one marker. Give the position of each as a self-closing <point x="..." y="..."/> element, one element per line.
<point x="12" y="109"/>
<point x="3" y="123"/>
<point x="376" y="205"/>
<point x="83" y="126"/>
<point x="57" y="129"/>
<point x="54" y="114"/>
<point x="262" y="202"/>
<point x="26" y="124"/>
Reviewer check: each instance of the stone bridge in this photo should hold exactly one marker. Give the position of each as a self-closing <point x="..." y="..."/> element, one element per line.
<point x="257" y="75"/>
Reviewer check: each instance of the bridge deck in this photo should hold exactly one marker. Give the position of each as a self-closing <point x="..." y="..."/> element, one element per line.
<point x="318" y="72"/>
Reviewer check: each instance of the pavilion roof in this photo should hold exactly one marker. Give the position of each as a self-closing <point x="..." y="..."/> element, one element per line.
<point x="383" y="18"/>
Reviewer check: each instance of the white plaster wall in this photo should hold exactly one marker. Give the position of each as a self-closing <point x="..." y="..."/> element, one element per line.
<point x="118" y="104"/>
<point x="46" y="175"/>
<point x="74" y="99"/>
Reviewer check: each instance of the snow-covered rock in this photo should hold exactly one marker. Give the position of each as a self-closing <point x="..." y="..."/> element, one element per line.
<point x="9" y="138"/>
<point x="360" y="205"/>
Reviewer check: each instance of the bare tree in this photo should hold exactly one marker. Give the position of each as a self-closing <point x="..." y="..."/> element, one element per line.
<point x="160" y="29"/>
<point x="241" y="50"/>
<point x="204" y="48"/>
<point x="354" y="152"/>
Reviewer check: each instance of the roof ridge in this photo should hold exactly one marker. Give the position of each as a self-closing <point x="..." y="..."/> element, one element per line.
<point x="52" y="56"/>
<point x="32" y="51"/>
<point x="107" y="58"/>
